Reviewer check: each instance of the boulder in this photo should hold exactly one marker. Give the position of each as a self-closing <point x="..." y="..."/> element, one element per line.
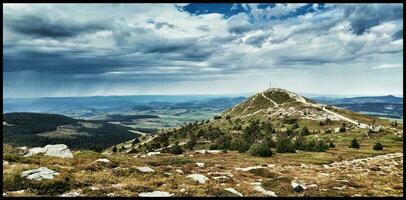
<point x="70" y="194"/>
<point x="199" y="164"/>
<point x="39" y="174"/>
<point x="103" y="160"/>
<point x="297" y="187"/>
<point x="153" y="153"/>
<point x="155" y="194"/>
<point x="145" y="169"/>
<point x="259" y="188"/>
<point x="57" y="150"/>
<point x="198" y="177"/>
<point x="232" y="190"/>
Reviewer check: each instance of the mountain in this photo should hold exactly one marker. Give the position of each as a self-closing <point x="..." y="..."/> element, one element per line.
<point x="38" y="129"/>
<point x="269" y="113"/>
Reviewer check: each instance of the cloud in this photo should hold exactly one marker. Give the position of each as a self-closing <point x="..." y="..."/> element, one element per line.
<point x="388" y="66"/>
<point x="140" y="43"/>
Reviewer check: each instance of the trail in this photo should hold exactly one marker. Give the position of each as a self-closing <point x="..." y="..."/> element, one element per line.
<point x="263" y="95"/>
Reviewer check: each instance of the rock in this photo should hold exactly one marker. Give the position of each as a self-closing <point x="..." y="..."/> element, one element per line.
<point x="70" y="194"/>
<point x="155" y="194"/>
<point x="111" y="194"/>
<point x="259" y="188"/>
<point x="145" y="169"/>
<point x="297" y="187"/>
<point x="324" y="174"/>
<point x="167" y="173"/>
<point x="23" y="148"/>
<point x="153" y="153"/>
<point x="221" y="179"/>
<point x="213" y="151"/>
<point x="57" y="150"/>
<point x="103" y="160"/>
<point x="179" y="171"/>
<point x="4" y="194"/>
<point x="312" y="186"/>
<point x="246" y="169"/>
<point x="5" y="163"/>
<point x="232" y="190"/>
<point x="118" y="185"/>
<point x="39" y="174"/>
<point x="94" y="188"/>
<point x="35" y="151"/>
<point x="199" y="164"/>
<point x="198" y="177"/>
<point x="182" y="190"/>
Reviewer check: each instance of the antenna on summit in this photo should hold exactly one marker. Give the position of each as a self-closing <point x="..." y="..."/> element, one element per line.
<point x="270" y="85"/>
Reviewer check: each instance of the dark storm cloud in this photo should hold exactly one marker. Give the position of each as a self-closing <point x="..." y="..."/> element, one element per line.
<point x="42" y="26"/>
<point x="363" y="17"/>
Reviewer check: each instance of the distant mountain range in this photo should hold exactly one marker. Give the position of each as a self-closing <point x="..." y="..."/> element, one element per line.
<point x="380" y="106"/>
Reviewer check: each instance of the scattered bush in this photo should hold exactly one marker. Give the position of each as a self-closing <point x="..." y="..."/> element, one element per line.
<point x="305" y="131"/>
<point x="114" y="149"/>
<point x="284" y="145"/>
<point x="354" y="144"/>
<point x="261" y="149"/>
<point x="378" y="146"/>
<point x="176" y="149"/>
<point x="332" y="145"/>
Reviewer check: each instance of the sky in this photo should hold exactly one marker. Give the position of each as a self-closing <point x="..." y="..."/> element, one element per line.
<point x="52" y="50"/>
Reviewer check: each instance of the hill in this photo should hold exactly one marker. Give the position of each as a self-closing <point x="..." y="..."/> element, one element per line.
<point x="271" y="115"/>
<point x="38" y="129"/>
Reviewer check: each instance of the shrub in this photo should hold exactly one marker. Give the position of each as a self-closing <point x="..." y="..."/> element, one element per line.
<point x="176" y="149"/>
<point x="114" y="149"/>
<point x="378" y="146"/>
<point x="13" y="181"/>
<point x="284" y="145"/>
<point x="271" y="143"/>
<point x="332" y="145"/>
<point x="213" y="146"/>
<point x="354" y="144"/>
<point x="223" y="142"/>
<point x="261" y="149"/>
<point x="305" y="131"/>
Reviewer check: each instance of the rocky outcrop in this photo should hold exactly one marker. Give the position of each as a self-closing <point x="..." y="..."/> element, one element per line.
<point x="57" y="150"/>
<point x="39" y="174"/>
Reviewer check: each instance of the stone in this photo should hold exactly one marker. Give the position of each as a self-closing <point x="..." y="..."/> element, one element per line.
<point x="103" y="160"/>
<point x="118" y="185"/>
<point x="111" y="194"/>
<point x="155" y="194"/>
<point x="297" y="187"/>
<point x="5" y="163"/>
<point x="199" y="164"/>
<point x="145" y="169"/>
<point x="179" y="171"/>
<point x="57" y="150"/>
<point x="259" y="188"/>
<point x="70" y="194"/>
<point x="198" y="177"/>
<point x="39" y="174"/>
<point x="232" y="190"/>
<point x="182" y="190"/>
<point x="221" y="179"/>
<point x="246" y="169"/>
<point x="153" y="153"/>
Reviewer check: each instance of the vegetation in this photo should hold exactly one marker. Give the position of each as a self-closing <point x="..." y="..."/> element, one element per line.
<point x="176" y="149"/>
<point x="354" y="144"/>
<point x="261" y="149"/>
<point x="378" y="146"/>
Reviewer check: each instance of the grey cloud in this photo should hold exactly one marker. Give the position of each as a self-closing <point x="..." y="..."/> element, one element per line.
<point x="42" y="26"/>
